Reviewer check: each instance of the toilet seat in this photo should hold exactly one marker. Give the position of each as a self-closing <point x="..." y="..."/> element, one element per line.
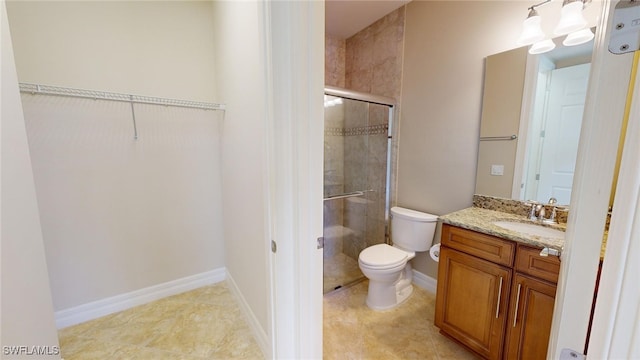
<point x="382" y="256"/>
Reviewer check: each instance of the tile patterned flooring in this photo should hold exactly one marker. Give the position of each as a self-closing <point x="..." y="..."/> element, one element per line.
<point x="207" y="323"/>
<point x="353" y="331"/>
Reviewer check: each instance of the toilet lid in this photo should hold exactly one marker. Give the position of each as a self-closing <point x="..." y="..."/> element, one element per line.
<point x="382" y="256"/>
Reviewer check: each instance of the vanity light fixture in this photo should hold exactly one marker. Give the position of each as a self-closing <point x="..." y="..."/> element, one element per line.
<point x="572" y="22"/>
<point x="571" y="18"/>
<point x="531" y="29"/>
<point x="578" y="37"/>
<point x="542" y="47"/>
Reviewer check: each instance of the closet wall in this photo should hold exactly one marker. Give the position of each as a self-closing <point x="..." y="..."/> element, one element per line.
<point x="241" y="85"/>
<point x="120" y="214"/>
<point x="26" y="306"/>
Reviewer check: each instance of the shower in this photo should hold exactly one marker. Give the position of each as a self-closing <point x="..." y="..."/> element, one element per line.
<point x="357" y="157"/>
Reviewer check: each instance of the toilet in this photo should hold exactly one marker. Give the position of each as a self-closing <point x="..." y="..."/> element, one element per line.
<point x="387" y="267"/>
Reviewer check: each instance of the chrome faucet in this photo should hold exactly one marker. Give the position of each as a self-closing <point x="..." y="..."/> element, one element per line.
<point x="541" y="212"/>
<point x="532" y="213"/>
<point x="538" y="211"/>
<point x="552" y="219"/>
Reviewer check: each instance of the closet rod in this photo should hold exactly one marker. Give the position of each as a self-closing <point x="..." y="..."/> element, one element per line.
<point x="104" y="95"/>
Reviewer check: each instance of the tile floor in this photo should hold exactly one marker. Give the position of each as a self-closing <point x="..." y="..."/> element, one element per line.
<point x="205" y="323"/>
<point x="353" y="331"/>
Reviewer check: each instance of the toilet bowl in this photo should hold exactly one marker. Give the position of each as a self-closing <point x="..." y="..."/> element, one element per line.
<point x="387" y="267"/>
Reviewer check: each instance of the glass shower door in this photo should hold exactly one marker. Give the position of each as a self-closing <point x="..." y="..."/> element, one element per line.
<point x="355" y="185"/>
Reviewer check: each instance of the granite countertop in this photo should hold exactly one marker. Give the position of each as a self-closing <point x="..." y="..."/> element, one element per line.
<point x="481" y="220"/>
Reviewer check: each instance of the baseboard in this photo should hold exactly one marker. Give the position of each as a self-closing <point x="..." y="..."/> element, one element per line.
<point x="96" y="309"/>
<point x="425" y="282"/>
<point x="258" y="332"/>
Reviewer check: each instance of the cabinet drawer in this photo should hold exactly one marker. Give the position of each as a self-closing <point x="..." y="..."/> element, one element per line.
<point x="484" y="246"/>
<point x="529" y="261"/>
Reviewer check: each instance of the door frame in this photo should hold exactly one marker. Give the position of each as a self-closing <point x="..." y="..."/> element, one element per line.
<point x="295" y="45"/>
<point x="591" y="191"/>
<point x="294" y="58"/>
<point x="616" y="325"/>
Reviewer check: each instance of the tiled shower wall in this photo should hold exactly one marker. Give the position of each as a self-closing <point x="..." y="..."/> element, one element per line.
<point x="373" y="58"/>
<point x="333" y="210"/>
<point x="334" y="149"/>
<point x="371" y="62"/>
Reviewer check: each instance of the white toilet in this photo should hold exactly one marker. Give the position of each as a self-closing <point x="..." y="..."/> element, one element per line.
<point x="387" y="267"/>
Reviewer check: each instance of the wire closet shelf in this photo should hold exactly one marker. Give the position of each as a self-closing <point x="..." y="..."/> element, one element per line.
<point x="104" y="95"/>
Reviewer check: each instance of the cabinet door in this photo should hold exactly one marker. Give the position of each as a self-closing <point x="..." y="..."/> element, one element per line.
<point x="531" y="311"/>
<point x="471" y="301"/>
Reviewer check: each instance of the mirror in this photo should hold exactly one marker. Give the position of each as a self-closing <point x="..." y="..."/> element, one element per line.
<point x="531" y="117"/>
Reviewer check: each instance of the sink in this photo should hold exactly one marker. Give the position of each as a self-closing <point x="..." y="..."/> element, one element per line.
<point x="531" y="229"/>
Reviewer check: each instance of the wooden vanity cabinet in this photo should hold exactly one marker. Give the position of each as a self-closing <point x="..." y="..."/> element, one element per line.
<point x="531" y="306"/>
<point x="473" y="292"/>
<point x="530" y="314"/>
<point x="494" y="298"/>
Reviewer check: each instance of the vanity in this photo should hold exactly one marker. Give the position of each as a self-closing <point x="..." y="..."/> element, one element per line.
<point x="496" y="292"/>
<point x="499" y="265"/>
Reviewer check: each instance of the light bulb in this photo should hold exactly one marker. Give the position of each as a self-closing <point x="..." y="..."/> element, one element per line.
<point x="531" y="29"/>
<point x="571" y="18"/>
<point x="578" y="37"/>
<point x="542" y="47"/>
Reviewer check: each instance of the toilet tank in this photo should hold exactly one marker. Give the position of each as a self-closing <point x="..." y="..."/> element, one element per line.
<point x="412" y="230"/>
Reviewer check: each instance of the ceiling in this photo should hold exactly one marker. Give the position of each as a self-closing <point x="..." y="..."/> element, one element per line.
<point x="344" y="18"/>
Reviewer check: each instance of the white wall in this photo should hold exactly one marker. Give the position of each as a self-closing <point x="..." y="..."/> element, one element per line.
<point x="446" y="43"/>
<point x="120" y="214"/>
<point x="26" y="306"/>
<point x="240" y="70"/>
<point x="158" y="48"/>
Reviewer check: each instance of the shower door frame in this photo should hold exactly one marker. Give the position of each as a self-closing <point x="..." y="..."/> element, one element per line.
<point x="391" y="104"/>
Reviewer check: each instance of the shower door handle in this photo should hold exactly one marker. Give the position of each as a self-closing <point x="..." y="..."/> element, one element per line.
<point x="346" y="195"/>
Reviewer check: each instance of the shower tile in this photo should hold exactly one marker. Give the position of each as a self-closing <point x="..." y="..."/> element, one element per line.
<point x="359" y="51"/>
<point x="354" y="242"/>
<point x="388" y="43"/>
<point x="391" y="20"/>
<point x="334" y="115"/>
<point x="334" y="67"/>
<point x="386" y="78"/>
<point x="333" y="213"/>
<point x="356" y="114"/>
<point x="333" y="240"/>
<point x="378" y="114"/>
<point x="360" y="80"/>
<point x="377" y="151"/>
<point x="339" y="270"/>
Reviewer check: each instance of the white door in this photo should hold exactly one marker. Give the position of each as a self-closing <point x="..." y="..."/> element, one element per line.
<point x="295" y="58"/>
<point x="567" y="92"/>
<point x="616" y="323"/>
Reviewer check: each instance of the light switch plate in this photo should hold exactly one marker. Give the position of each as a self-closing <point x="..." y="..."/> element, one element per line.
<point x="497" y="170"/>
